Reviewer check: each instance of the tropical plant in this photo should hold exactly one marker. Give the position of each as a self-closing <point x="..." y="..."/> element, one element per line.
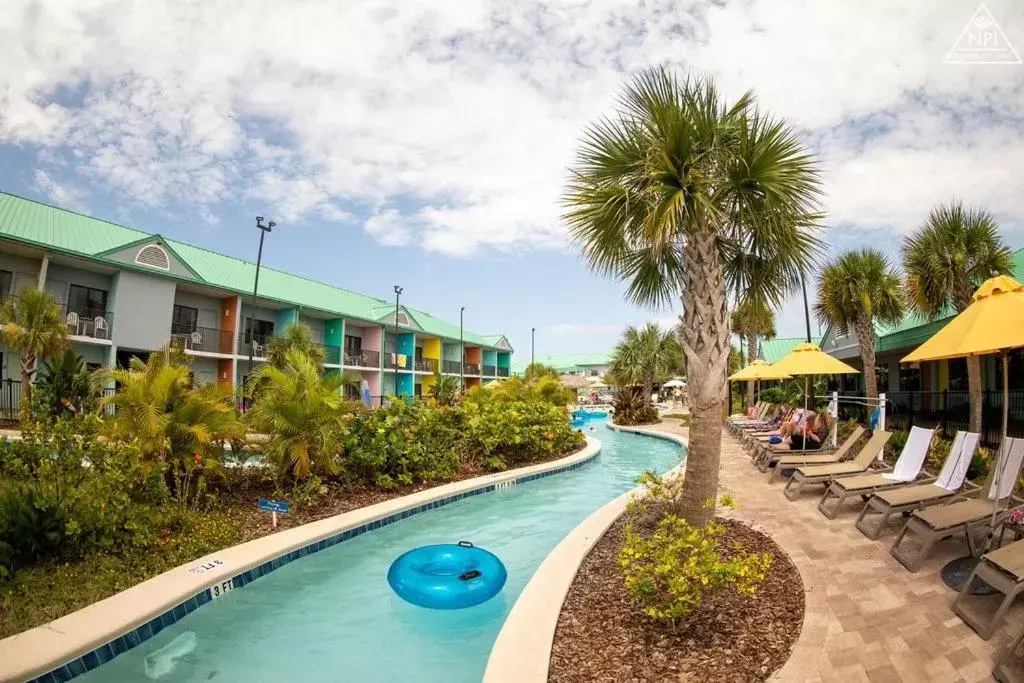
<point x="751" y="320"/>
<point x="856" y="289"/>
<point x="445" y="389"/>
<point x="534" y="371"/>
<point x="643" y="355"/>
<point x="301" y="413"/>
<point x="294" y="337"/>
<point x="546" y="388"/>
<point x="67" y="385"/>
<point x="157" y="409"/>
<point x="682" y="194"/>
<point x="946" y="260"/>
<point x="33" y="326"/>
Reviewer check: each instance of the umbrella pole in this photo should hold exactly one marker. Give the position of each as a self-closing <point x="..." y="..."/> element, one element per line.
<point x="1006" y="422"/>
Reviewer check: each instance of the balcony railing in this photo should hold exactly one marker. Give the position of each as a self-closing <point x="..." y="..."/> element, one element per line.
<point x="203" y="339"/>
<point x="365" y="358"/>
<point x="489" y="371"/>
<point x="259" y="345"/>
<point x="332" y="354"/>
<point x="472" y="369"/>
<point x="87" y="322"/>
<point x="389" y="362"/>
<point x="426" y="365"/>
<point x="453" y="367"/>
<point x="502" y="372"/>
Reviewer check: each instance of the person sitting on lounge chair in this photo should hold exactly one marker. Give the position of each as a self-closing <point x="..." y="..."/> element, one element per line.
<point x="811" y="436"/>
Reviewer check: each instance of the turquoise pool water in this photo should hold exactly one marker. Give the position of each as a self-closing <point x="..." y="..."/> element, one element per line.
<point x="331" y="616"/>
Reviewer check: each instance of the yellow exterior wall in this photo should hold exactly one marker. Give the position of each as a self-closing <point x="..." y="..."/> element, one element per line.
<point x="943" y="368"/>
<point x="431" y="349"/>
<point x="427" y="380"/>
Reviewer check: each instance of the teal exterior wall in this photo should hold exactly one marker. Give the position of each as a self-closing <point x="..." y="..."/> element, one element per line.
<point x="407" y="347"/>
<point x="505" y="360"/>
<point x="490" y="357"/>
<point x="334" y="332"/>
<point x="450" y="352"/>
<point x="284" y="318"/>
<point x="406" y="384"/>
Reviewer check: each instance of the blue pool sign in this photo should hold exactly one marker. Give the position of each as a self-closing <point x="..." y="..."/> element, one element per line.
<point x="273" y="507"/>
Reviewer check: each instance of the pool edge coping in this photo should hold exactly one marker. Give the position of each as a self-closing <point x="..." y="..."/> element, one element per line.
<point x="93" y="635"/>
<point x="522" y="651"/>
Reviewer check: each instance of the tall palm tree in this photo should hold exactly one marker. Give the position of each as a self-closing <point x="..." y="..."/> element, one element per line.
<point x="295" y="336"/>
<point x="682" y="194"/>
<point x="644" y="354"/>
<point x="946" y="259"/>
<point x="33" y="325"/>
<point x="445" y="389"/>
<point x="854" y="290"/>
<point x="301" y="412"/>
<point x="753" y="319"/>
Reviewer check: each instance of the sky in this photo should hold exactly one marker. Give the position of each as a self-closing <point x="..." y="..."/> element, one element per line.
<point x="425" y="143"/>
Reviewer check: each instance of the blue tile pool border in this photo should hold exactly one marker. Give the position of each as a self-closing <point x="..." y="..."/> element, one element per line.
<point x="135" y="637"/>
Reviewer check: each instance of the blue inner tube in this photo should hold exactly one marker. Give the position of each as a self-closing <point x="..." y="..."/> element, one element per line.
<point x="447" y="576"/>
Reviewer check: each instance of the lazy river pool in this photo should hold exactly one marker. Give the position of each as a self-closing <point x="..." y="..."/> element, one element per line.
<point x="331" y="616"/>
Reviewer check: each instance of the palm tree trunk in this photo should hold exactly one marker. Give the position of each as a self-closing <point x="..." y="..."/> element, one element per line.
<point x="705" y="338"/>
<point x="866" y="340"/>
<point x="751" y="355"/>
<point x="974" y="388"/>
<point x="648" y="385"/>
<point x="28" y="365"/>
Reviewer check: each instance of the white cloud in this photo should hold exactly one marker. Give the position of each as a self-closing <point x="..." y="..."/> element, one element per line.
<point x="583" y="328"/>
<point x="461" y="118"/>
<point x="62" y="194"/>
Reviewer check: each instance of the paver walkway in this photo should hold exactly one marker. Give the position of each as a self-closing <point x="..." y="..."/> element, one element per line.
<point x="867" y="618"/>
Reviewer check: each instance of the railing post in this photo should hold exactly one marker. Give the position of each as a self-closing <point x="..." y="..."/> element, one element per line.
<point x="881" y="411"/>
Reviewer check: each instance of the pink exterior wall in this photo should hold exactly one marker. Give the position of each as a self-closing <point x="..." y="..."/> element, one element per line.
<point x="372" y="338"/>
<point x="373" y="380"/>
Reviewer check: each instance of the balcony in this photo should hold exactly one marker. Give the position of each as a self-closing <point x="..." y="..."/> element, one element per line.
<point x="489" y="370"/>
<point x="390" y="358"/>
<point x="332" y="354"/>
<point x="85" y="322"/>
<point x="472" y="369"/>
<point x="362" y="358"/>
<point x="259" y="345"/>
<point x="452" y="367"/>
<point x="426" y="365"/>
<point x="201" y="339"/>
<point x="502" y="372"/>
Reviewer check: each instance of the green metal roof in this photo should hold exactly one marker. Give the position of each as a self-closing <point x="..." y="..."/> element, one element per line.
<point x="568" y="362"/>
<point x="772" y="350"/>
<point x="54" y="228"/>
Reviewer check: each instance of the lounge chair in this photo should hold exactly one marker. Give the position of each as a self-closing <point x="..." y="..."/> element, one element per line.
<point x="936" y="523"/>
<point x="789" y="460"/>
<point x="760" y="419"/>
<point x="902" y="501"/>
<point x="1007" y="664"/>
<point x="1003" y="569"/>
<point x="906" y="469"/>
<point x="824" y="474"/>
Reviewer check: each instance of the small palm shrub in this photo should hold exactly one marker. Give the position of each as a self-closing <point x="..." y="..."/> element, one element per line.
<point x="66" y="385"/>
<point x="630" y="409"/>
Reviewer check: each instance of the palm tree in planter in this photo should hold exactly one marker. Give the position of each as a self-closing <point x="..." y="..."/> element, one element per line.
<point x="33" y="326"/>
<point x="643" y="355"/>
<point x="751" y="320"/>
<point x="856" y="289"/>
<point x="675" y="194"/>
<point x="946" y="260"/>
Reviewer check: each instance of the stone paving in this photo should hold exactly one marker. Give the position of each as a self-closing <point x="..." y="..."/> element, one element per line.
<point x="867" y="618"/>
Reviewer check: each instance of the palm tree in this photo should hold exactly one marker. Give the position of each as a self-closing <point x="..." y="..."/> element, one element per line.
<point x="33" y="325"/>
<point x="302" y="414"/>
<point x="445" y="389"/>
<point x="643" y="355"/>
<point x="752" y="319"/>
<point x="856" y="289"/>
<point x="946" y="259"/>
<point x="684" y="195"/>
<point x="295" y="336"/>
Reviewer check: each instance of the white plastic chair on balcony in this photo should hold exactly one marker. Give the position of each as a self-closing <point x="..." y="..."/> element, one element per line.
<point x="72" y="322"/>
<point x="196" y="339"/>
<point x="258" y="350"/>
<point x="99" y="327"/>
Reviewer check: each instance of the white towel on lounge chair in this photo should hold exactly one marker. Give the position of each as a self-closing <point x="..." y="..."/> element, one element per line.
<point x="912" y="458"/>
<point x="1011" y="453"/>
<point x="954" y="470"/>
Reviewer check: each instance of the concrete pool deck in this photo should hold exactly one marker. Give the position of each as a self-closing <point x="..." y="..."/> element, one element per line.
<point x="867" y="618"/>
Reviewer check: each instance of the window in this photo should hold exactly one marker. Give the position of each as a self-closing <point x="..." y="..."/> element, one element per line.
<point x="87" y="301"/>
<point x="261" y="329"/>
<point x="353" y="344"/>
<point x="419" y="353"/>
<point x="6" y="278"/>
<point x="417" y="390"/>
<point x="882" y="377"/>
<point x="183" y="319"/>
<point x="910" y="377"/>
<point x="153" y="255"/>
<point x="958" y="374"/>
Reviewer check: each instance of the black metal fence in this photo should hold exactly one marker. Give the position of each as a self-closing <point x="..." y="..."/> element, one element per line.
<point x="502" y="372"/>
<point x="489" y="370"/>
<point x="10" y="399"/>
<point x="451" y="366"/>
<point x="472" y="369"/>
<point x="951" y="411"/>
<point x="364" y="358"/>
<point x="204" y="339"/>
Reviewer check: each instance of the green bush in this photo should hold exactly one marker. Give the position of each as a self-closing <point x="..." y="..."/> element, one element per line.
<point x="516" y="432"/>
<point x="630" y="410"/>
<point x="672" y="570"/>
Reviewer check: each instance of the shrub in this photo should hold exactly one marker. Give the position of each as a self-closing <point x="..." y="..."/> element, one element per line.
<point x="515" y="432"/>
<point x="672" y="570"/>
<point x="630" y="410"/>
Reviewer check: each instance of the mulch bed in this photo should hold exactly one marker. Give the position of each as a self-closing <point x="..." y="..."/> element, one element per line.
<point x="602" y="637"/>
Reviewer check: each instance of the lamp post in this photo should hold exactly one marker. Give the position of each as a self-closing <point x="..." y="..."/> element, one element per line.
<point x="398" y="293"/>
<point x="533" y="330"/>
<point x="264" y="229"/>
<point x="807" y="309"/>
<point x="462" y="353"/>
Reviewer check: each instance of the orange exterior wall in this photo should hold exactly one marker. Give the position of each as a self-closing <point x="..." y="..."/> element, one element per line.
<point x="224" y="375"/>
<point x="473" y="355"/>
<point x="228" y="316"/>
<point x="472" y="381"/>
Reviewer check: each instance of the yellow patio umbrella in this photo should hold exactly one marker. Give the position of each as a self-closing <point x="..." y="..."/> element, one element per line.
<point x="808" y="359"/>
<point x="758" y="370"/>
<point x="993" y="323"/>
